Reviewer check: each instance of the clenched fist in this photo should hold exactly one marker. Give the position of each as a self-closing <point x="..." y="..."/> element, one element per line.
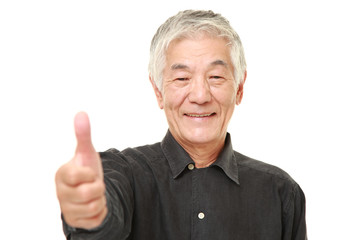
<point x="80" y="182"/>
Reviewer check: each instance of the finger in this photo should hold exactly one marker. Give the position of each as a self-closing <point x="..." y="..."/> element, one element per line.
<point x="71" y="174"/>
<point x="87" y="210"/>
<point x="85" y="215"/>
<point x="85" y="154"/>
<point x="83" y="135"/>
<point x="83" y="193"/>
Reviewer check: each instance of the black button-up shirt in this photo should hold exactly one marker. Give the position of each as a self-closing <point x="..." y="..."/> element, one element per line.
<point x="155" y="192"/>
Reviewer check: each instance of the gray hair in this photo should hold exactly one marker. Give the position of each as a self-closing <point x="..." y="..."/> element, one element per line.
<point x="191" y="23"/>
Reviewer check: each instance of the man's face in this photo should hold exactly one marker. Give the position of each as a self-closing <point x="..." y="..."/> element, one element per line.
<point x="199" y="91"/>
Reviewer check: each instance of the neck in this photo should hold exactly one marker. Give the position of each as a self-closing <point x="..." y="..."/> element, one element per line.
<point x="204" y="154"/>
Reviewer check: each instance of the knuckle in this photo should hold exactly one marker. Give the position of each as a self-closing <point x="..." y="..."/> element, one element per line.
<point x="94" y="207"/>
<point x="101" y="187"/>
<point x="72" y="176"/>
<point x="88" y="192"/>
<point x="98" y="220"/>
<point x="60" y="174"/>
<point x="85" y="194"/>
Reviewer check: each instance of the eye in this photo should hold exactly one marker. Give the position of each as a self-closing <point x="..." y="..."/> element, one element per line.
<point x="216" y="77"/>
<point x="182" y="79"/>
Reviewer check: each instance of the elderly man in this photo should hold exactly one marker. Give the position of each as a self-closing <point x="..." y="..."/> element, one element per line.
<point x="192" y="185"/>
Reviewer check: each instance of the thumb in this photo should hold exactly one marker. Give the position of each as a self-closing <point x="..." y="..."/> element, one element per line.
<point x="85" y="154"/>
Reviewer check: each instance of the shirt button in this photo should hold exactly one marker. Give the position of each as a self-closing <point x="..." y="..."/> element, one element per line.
<point x="201" y="215"/>
<point x="191" y="166"/>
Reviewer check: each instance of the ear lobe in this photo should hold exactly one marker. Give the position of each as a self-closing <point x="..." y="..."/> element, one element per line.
<point x="158" y="93"/>
<point x="239" y="94"/>
<point x="240" y="91"/>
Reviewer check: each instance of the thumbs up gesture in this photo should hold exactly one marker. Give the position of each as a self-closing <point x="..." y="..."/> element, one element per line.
<point x="80" y="183"/>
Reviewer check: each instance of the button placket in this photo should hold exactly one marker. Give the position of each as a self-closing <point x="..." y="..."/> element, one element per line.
<point x="195" y="202"/>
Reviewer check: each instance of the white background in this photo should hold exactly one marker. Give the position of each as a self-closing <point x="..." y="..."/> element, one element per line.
<point x="300" y="109"/>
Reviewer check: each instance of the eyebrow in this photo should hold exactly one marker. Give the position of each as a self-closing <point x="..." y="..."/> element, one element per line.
<point x="177" y="66"/>
<point x="219" y="62"/>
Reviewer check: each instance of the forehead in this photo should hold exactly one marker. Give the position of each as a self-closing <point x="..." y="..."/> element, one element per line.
<point x="213" y="51"/>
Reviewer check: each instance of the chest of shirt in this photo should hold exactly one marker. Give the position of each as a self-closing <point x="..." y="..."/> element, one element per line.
<point x="205" y="204"/>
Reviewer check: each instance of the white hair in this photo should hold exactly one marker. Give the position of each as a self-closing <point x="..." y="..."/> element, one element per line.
<point x="190" y="24"/>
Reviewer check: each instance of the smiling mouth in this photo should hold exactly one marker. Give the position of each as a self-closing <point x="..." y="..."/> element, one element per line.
<point x="199" y="115"/>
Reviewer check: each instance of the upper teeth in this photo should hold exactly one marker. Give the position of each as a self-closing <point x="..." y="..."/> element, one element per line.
<point x="199" y="115"/>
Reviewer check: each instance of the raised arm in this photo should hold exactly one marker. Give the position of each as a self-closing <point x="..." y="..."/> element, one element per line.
<point x="80" y="182"/>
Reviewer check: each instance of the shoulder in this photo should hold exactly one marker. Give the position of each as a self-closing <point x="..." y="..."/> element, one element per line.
<point x="256" y="173"/>
<point x="259" y="168"/>
<point x="130" y="156"/>
<point x="149" y="150"/>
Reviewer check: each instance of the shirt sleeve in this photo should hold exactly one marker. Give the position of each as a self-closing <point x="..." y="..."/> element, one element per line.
<point x="294" y="223"/>
<point x="119" y="199"/>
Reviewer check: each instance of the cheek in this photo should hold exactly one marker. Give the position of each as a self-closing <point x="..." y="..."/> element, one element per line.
<point x="174" y="98"/>
<point x="226" y="97"/>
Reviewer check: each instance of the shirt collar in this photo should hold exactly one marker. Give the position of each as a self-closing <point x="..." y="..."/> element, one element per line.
<point x="179" y="159"/>
<point x="226" y="160"/>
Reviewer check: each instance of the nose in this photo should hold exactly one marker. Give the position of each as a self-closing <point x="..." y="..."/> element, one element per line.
<point x="199" y="91"/>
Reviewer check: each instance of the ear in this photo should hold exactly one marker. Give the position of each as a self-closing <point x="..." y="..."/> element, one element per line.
<point x="158" y="93"/>
<point x="240" y="90"/>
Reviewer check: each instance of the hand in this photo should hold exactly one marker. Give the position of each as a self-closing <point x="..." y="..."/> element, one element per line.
<point x="80" y="183"/>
